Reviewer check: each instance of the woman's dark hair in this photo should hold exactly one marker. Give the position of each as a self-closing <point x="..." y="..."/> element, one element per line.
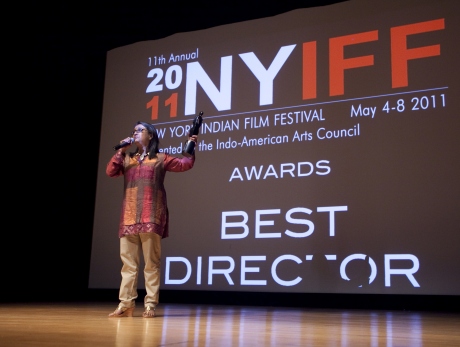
<point x="154" y="144"/>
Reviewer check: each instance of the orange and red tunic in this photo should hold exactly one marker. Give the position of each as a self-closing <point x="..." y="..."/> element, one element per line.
<point x="144" y="207"/>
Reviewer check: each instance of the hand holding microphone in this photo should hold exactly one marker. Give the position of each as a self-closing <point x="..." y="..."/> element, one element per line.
<point x="124" y="143"/>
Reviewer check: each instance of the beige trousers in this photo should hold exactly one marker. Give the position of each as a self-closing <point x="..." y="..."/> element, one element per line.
<point x="130" y="249"/>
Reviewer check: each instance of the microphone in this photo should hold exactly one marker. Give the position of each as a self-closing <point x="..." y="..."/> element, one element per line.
<point x="123" y="144"/>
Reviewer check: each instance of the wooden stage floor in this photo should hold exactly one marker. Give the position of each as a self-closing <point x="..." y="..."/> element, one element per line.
<point x="177" y="325"/>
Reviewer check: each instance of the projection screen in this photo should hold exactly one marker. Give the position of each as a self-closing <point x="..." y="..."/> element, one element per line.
<point x="327" y="161"/>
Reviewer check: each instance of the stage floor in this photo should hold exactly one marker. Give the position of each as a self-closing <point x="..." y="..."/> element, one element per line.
<point x="87" y="324"/>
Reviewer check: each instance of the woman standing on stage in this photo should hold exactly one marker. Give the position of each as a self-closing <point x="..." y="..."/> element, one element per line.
<point x="144" y="216"/>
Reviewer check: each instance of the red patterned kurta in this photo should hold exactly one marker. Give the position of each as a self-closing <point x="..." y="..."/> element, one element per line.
<point x="144" y="206"/>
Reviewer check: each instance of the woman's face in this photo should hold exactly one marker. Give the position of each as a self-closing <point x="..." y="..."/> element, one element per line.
<point x="141" y="135"/>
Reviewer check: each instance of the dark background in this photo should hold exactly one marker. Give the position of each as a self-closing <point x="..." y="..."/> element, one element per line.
<point x="47" y="255"/>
